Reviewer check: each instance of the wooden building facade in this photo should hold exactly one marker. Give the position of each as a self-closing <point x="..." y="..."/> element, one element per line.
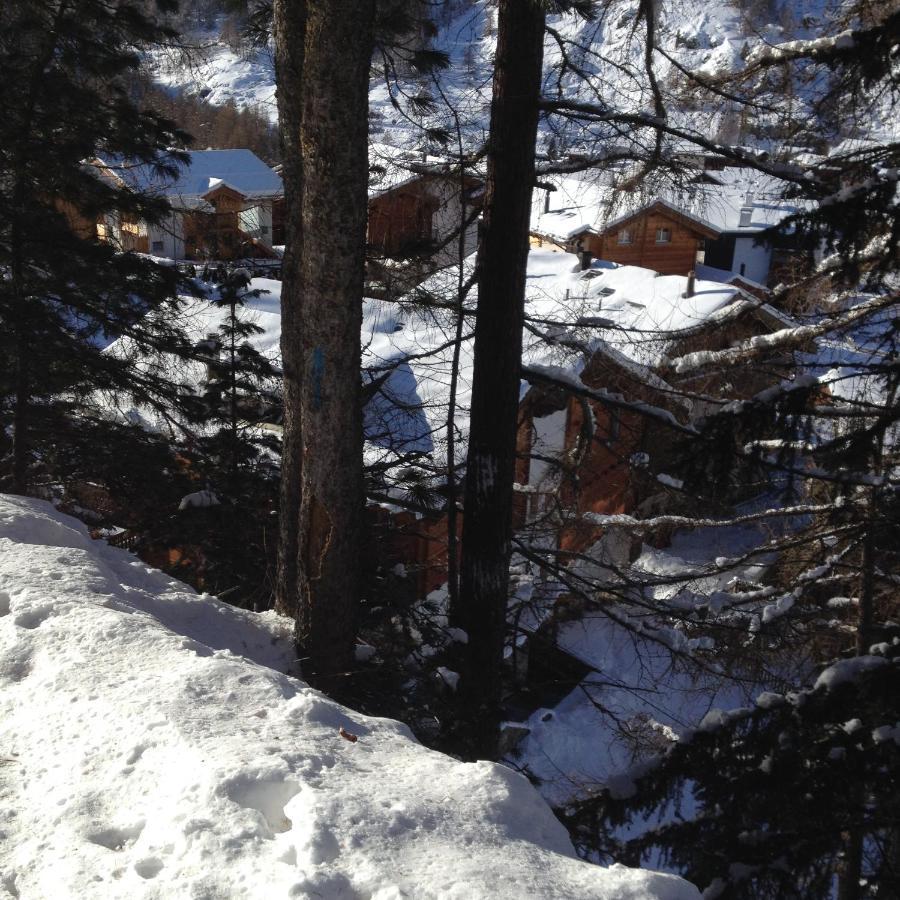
<point x="657" y="237"/>
<point x="607" y="459"/>
<point x="401" y="221"/>
<point x="422" y="216"/>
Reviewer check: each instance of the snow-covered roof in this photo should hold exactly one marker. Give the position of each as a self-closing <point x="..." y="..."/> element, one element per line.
<point x="716" y="200"/>
<point x="392" y="167"/>
<point x="414" y="343"/>
<point x="230" y="778"/>
<point x="206" y="170"/>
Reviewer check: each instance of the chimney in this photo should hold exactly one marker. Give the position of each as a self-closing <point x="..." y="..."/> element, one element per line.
<point x="746" y="216"/>
<point x="690" y="284"/>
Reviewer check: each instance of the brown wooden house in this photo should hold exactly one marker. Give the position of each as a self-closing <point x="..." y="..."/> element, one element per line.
<point x="658" y="236"/>
<point x="420" y="214"/>
<point x="598" y="469"/>
<point x="608" y="458"/>
<point x="402" y="221"/>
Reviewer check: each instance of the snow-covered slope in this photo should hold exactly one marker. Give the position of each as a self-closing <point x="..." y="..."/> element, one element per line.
<point x="151" y="747"/>
<point x="607" y="51"/>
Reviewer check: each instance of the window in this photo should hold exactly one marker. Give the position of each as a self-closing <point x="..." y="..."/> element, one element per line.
<point x="663" y="235"/>
<point x="158" y="247"/>
<point x="626" y="236"/>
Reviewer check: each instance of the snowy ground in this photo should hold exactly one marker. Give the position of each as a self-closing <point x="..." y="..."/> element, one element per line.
<point x="150" y="746"/>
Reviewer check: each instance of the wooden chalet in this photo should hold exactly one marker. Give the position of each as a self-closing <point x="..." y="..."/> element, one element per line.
<point x="658" y="236"/>
<point x="221" y="208"/>
<point x="417" y="215"/>
<point x="728" y="219"/>
<point x="599" y="448"/>
<point x="417" y="208"/>
<point x="606" y="458"/>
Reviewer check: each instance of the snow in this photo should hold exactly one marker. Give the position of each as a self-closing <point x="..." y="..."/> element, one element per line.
<point x="647" y="699"/>
<point x="885" y="733"/>
<point x="669" y="481"/>
<point x="714" y="40"/>
<point x="152" y="746"/>
<point x="848" y="670"/>
<point x="597" y="203"/>
<point x="414" y="344"/>
<point x="790" y="49"/>
<point x="205" y="170"/>
<point x="219" y="74"/>
<point x="199" y="499"/>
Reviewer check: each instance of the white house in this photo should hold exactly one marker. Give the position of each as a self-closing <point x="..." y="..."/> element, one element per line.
<point x="221" y="206"/>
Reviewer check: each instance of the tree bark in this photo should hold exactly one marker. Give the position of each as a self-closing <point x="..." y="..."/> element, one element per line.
<point x="334" y="199"/>
<point x="502" y="262"/>
<point x="290" y="31"/>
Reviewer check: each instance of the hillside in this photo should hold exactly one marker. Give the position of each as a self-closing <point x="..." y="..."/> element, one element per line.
<point x="172" y="757"/>
<point x="608" y="52"/>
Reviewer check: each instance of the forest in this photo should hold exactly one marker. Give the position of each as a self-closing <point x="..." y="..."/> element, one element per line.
<point x="522" y="384"/>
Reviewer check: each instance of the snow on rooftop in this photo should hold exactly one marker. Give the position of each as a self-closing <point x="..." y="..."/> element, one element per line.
<point x="391" y="167"/>
<point x="206" y="170"/>
<point x="415" y="342"/>
<point x="642" y="306"/>
<point x="580" y="203"/>
<point x="153" y="747"/>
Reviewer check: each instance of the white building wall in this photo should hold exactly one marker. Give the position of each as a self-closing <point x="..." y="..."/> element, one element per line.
<point x="256" y="221"/>
<point x="447" y="220"/>
<point x="167" y="238"/>
<point x="265" y="223"/>
<point x="755" y="259"/>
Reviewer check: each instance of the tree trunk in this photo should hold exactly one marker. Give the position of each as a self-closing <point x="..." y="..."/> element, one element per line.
<point x="334" y="199"/>
<point x="452" y="481"/>
<point x="290" y="30"/>
<point x="502" y="262"/>
<point x="22" y="383"/>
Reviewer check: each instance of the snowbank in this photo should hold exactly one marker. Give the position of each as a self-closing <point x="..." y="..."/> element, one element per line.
<point x="150" y="747"/>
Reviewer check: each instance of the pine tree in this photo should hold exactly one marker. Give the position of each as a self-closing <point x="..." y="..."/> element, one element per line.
<point x="233" y="456"/>
<point x="502" y="260"/>
<point x="322" y="302"/>
<point x="237" y="392"/>
<point x="797" y="796"/>
<point x="64" y="294"/>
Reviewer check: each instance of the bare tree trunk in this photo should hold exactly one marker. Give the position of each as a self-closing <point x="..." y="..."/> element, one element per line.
<point x="334" y="199"/>
<point x="502" y="262"/>
<point x="22" y="375"/>
<point x="290" y="30"/>
<point x="452" y="484"/>
<point x="851" y="872"/>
